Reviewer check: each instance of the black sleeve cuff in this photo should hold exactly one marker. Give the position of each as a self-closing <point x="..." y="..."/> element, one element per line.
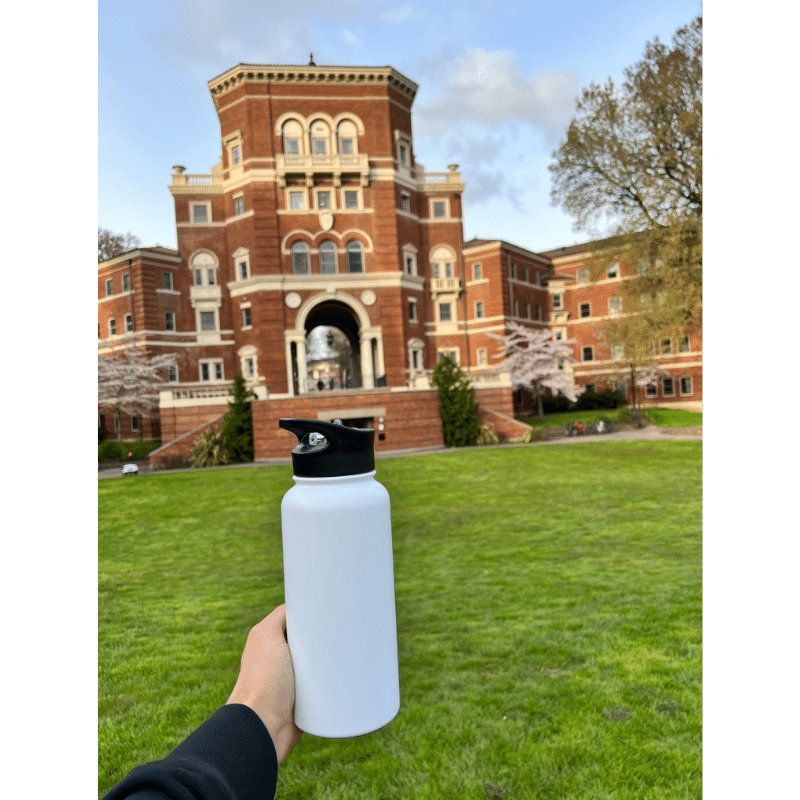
<point x="229" y="757"/>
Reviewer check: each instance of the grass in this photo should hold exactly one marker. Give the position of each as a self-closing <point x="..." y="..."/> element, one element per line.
<point x="549" y="622"/>
<point x="663" y="417"/>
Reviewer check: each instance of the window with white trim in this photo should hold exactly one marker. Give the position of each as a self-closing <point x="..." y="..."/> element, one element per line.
<point x="297" y="201"/>
<point x="445" y="312"/>
<point x="126" y="281"/>
<point x="512" y="270"/>
<point x="412" y="310"/>
<point x="355" y="256"/>
<point x="587" y="353"/>
<point x="292" y="136"/>
<point x="109" y="287"/>
<point x="327" y="258"/>
<point x="166" y="280"/>
<point x="557" y="301"/>
<point x="614" y="305"/>
<point x="651" y="390"/>
<point x="238" y="205"/>
<point x="667" y="387"/>
<point x="201" y="213"/>
<point x="439" y="209"/>
<point x="617" y="352"/>
<point x="479" y="309"/>
<point x="243" y="269"/>
<point x="249" y="364"/>
<point x="112" y="327"/>
<point x="128" y="323"/>
<point x="583" y="275"/>
<point x="525" y="274"/>
<point x="613" y="271"/>
<point x="208" y="320"/>
<point x="173" y="374"/>
<point x="528" y="310"/>
<point x="683" y="345"/>
<point x="324" y="199"/>
<point x="169" y="321"/>
<point x="320" y="138"/>
<point x="449" y="352"/>
<point x="405" y="203"/>
<point x="409" y="259"/>
<point x="204" y="269"/>
<point x="351" y="200"/>
<point x="477" y="271"/>
<point x="515" y="308"/>
<point x="483" y="359"/>
<point x="585" y="310"/>
<point x="666" y="347"/>
<point x="347" y="136"/>
<point x="236" y="154"/>
<point x="686" y="385"/>
<point x="538" y="312"/>
<point x="247" y="318"/>
<point x="135" y="422"/>
<point x="300" y="258"/>
<point x="211" y="370"/>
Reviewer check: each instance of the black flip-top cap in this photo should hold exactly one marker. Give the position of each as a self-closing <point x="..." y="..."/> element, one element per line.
<point x="330" y="449"/>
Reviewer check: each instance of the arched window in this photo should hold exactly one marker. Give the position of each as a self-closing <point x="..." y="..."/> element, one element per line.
<point x="204" y="269"/>
<point x="355" y="256"/>
<point x="327" y="258"/>
<point x="300" y="261"/>
<point x="442" y="262"/>
<point x="346" y="134"/>
<point x="320" y="139"/>
<point x="292" y="137"/>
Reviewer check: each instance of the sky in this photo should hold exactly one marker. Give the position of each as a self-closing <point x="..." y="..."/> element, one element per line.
<point x="498" y="80"/>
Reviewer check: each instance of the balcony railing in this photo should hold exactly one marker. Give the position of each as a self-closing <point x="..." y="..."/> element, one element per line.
<point x="318" y="163"/>
<point x="445" y="285"/>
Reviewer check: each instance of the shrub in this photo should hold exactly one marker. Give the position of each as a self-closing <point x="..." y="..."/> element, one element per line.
<point x="457" y="405"/>
<point x="590" y="401"/>
<point x="210" y="450"/>
<point x="625" y="415"/>
<point x="533" y="435"/>
<point x="237" y="428"/>
<point x="110" y="451"/>
<point x="487" y="434"/>
<point x="557" y="404"/>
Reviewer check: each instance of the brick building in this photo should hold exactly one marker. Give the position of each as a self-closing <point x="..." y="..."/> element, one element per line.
<point x="320" y="259"/>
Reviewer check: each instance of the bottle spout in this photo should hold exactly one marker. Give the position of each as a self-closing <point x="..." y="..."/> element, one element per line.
<point x="330" y="449"/>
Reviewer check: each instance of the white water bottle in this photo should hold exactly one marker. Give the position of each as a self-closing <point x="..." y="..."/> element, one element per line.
<point x="339" y="583"/>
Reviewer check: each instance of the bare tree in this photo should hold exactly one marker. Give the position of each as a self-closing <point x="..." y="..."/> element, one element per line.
<point x="111" y="244"/>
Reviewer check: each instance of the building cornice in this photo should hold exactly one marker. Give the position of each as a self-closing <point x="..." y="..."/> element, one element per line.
<point x="310" y="75"/>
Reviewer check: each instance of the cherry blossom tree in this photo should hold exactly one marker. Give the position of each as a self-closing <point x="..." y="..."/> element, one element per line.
<point x="535" y="360"/>
<point x="129" y="380"/>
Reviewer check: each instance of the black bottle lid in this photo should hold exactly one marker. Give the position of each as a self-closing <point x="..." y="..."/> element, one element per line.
<point x="330" y="449"/>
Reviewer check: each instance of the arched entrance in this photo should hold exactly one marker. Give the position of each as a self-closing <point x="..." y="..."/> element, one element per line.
<point x="334" y="346"/>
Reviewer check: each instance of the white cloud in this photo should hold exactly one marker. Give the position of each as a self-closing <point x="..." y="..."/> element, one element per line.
<point x="488" y="88"/>
<point x="405" y="13"/>
<point x="350" y="39"/>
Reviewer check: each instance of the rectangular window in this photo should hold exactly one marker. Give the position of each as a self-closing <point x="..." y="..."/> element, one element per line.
<point x="205" y="372"/>
<point x="296" y="202"/>
<point x="291" y="146"/>
<point x="556" y="301"/>
<point x="236" y="153"/>
<point x="405" y="203"/>
<point x="218" y="370"/>
<point x="479" y="309"/>
<point x="439" y="209"/>
<point x="683" y="345"/>
<point x="666" y="347"/>
<point x="516" y="308"/>
<point x="354" y="260"/>
<point x="249" y="367"/>
<point x="587" y="353"/>
<point x="512" y="270"/>
<point x="651" y="390"/>
<point x="126" y="281"/>
<point x="211" y="371"/>
<point x="166" y="280"/>
<point x="410" y="266"/>
<point x="134" y="422"/>
<point x="238" y="206"/>
<point x="323" y="200"/>
<point x="614" y="305"/>
<point x="617" y="352"/>
<point x="244" y="271"/>
<point x="686" y="384"/>
<point x="477" y="272"/>
<point x="198" y="277"/>
<point x="173" y="374"/>
<point x="109" y="287"/>
<point x="350" y="198"/>
<point x="199" y="213"/>
<point x="320" y="147"/>
<point x="246" y="318"/>
<point x="445" y="312"/>
<point x="346" y="147"/>
<point x="528" y="310"/>
<point x="412" y="310"/>
<point x="586" y="310"/>
<point x="525" y="275"/>
<point x="416" y="360"/>
<point x="402" y="152"/>
<point x="451" y="354"/>
<point x="212" y="276"/>
<point x="667" y="387"/>
<point x="539" y="313"/>
<point x="112" y="327"/>
<point x="583" y="276"/>
<point x="612" y="271"/>
<point x="169" y="321"/>
<point x="208" y="321"/>
<point x="482" y="359"/>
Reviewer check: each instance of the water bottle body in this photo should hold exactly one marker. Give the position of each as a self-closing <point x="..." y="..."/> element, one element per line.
<point x="340" y="606"/>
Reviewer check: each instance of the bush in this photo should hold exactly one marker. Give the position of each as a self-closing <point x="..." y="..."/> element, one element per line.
<point x="210" y="450"/>
<point x="110" y="450"/>
<point x="590" y="401"/>
<point x="488" y="435"/>
<point x="557" y="404"/>
<point x="457" y="405"/>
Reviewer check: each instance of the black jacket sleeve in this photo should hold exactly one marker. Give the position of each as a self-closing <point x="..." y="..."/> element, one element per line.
<point x="229" y="757"/>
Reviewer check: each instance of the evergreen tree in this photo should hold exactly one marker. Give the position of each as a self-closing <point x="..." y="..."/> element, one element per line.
<point x="237" y="429"/>
<point x="457" y="405"/>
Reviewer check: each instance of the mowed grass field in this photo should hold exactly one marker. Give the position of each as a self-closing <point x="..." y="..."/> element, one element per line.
<point x="548" y="610"/>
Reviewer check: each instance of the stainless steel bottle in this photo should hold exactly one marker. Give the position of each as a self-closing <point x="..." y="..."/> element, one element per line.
<point x="339" y="582"/>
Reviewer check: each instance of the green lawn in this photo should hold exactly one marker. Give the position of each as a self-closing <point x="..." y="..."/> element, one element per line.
<point x="663" y="417"/>
<point x="549" y="622"/>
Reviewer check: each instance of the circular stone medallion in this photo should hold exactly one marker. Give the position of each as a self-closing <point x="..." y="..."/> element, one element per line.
<point x="293" y="300"/>
<point x="368" y="297"/>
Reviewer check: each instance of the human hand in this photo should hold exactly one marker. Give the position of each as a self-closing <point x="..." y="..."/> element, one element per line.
<point x="266" y="681"/>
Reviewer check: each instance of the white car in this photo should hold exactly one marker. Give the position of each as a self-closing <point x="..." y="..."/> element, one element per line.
<point x="129" y="469"/>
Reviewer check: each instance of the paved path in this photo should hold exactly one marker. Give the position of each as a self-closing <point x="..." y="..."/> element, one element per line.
<point x="648" y="433"/>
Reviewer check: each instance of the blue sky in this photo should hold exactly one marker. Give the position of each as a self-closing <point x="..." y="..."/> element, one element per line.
<point x="498" y="81"/>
